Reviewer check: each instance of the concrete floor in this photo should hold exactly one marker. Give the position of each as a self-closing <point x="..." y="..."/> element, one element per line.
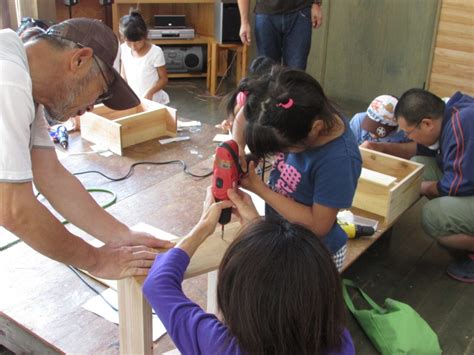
<point x="407" y="266"/>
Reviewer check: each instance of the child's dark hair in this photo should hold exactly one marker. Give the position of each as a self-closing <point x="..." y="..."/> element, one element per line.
<point x="281" y="108"/>
<point x="132" y="26"/>
<point x="279" y="291"/>
<point x="257" y="67"/>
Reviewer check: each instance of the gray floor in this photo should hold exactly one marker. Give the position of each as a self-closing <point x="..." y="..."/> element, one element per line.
<point x="406" y="266"/>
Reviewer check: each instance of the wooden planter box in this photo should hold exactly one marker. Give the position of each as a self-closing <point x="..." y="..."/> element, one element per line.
<point x="388" y="185"/>
<point x="116" y="130"/>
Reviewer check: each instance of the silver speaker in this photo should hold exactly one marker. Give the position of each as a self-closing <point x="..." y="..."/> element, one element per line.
<point x="185" y="59"/>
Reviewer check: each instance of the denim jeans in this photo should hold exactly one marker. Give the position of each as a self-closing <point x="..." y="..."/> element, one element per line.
<point x="285" y="38"/>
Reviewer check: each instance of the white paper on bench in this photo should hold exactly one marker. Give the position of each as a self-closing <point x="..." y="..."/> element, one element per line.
<point x="98" y="306"/>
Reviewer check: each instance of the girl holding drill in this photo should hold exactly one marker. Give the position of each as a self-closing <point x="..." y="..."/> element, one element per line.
<point x="317" y="162"/>
<point x="143" y="63"/>
<point x="278" y="291"/>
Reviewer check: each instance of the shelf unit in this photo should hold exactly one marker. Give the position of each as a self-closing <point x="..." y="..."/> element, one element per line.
<point x="199" y="15"/>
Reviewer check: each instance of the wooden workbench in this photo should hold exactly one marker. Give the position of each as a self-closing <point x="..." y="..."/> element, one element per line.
<point x="46" y="297"/>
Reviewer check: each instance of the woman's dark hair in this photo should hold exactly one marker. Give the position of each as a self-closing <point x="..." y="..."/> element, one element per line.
<point x="279" y="291"/>
<point x="416" y="104"/>
<point x="259" y="66"/>
<point x="273" y="128"/>
<point x="132" y="26"/>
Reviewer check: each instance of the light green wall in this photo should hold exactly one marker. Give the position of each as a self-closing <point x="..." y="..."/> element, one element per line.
<point x="370" y="47"/>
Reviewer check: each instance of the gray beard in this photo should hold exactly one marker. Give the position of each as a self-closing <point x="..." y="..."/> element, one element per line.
<point x="68" y="93"/>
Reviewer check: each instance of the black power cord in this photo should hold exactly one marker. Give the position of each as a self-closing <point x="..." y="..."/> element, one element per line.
<point x="132" y="168"/>
<point x="74" y="270"/>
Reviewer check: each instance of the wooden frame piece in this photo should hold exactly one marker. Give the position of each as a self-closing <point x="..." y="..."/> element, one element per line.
<point x="383" y="196"/>
<point x="116" y="130"/>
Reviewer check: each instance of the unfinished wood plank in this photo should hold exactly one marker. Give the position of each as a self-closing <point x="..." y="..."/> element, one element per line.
<point x="454" y="45"/>
<point x="134" y="317"/>
<point x="101" y="131"/>
<point x="376" y="177"/>
<point x="21" y="340"/>
<point x="379" y="193"/>
<point x="386" y="163"/>
<point x="117" y="130"/>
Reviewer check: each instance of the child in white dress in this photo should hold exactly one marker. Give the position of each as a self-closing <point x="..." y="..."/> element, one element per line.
<point x="142" y="62"/>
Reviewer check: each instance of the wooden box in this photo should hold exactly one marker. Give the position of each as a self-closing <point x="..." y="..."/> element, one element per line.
<point x="388" y="185"/>
<point x="116" y="130"/>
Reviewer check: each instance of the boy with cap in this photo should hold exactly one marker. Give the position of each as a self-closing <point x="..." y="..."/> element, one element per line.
<point x="66" y="71"/>
<point x="378" y="124"/>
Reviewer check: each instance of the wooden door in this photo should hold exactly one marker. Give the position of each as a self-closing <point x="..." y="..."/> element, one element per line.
<point x="372" y="47"/>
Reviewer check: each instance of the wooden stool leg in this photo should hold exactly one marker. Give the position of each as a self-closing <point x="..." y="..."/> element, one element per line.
<point x="134" y="318"/>
<point x="209" y="63"/>
<point x="244" y="60"/>
<point x="238" y="66"/>
<point x="214" y="64"/>
<point x="212" y="292"/>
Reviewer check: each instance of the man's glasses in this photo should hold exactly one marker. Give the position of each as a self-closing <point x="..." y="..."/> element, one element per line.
<point x="408" y="133"/>
<point x="107" y="94"/>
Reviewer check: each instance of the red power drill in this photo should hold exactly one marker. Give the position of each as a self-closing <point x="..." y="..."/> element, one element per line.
<point x="226" y="175"/>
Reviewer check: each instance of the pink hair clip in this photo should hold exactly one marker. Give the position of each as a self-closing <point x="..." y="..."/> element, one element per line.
<point x="242" y="98"/>
<point x="286" y="105"/>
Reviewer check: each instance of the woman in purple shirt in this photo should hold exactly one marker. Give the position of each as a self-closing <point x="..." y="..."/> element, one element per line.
<point x="278" y="290"/>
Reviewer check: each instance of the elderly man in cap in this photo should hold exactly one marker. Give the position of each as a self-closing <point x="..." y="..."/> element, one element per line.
<point x="65" y="71"/>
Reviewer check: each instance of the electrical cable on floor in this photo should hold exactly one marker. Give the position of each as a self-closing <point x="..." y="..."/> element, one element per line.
<point x="77" y="272"/>
<point x="132" y="168"/>
<point x="96" y="291"/>
<point x="227" y="70"/>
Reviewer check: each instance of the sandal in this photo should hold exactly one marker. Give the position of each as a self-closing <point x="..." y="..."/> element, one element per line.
<point x="462" y="270"/>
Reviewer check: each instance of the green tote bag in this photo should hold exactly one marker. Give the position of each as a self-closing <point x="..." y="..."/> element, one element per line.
<point x="395" y="328"/>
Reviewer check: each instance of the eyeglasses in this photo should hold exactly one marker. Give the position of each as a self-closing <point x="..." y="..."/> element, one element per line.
<point x="408" y="133"/>
<point x="107" y="94"/>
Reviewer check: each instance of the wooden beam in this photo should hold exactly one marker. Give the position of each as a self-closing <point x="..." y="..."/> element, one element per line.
<point x="376" y="177"/>
<point x="21" y="340"/>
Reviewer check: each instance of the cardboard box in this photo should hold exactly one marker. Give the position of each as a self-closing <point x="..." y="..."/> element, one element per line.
<point x="391" y="189"/>
<point x="116" y="130"/>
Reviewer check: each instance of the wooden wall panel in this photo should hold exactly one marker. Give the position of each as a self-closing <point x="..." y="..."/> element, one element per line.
<point x="85" y="8"/>
<point x="453" y="60"/>
<point x="372" y="47"/>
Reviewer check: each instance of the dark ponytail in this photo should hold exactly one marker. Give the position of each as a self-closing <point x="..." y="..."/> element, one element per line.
<point x="133" y="27"/>
<point x="287" y="101"/>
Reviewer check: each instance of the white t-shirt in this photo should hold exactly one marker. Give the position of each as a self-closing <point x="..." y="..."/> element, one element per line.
<point x="141" y="72"/>
<point x="22" y="123"/>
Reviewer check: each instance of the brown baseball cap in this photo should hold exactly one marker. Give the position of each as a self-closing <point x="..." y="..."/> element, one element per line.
<point x="94" y="34"/>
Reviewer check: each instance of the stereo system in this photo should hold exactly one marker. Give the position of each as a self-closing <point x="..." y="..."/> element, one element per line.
<point x="185" y="59"/>
<point x="171" y="33"/>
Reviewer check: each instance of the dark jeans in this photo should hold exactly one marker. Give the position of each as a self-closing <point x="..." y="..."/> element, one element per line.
<point x="285" y="37"/>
